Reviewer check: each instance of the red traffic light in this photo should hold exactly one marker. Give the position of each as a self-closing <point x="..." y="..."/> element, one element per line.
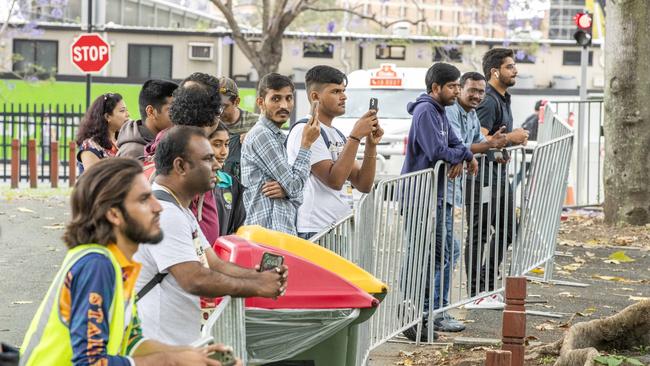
<point x="583" y="20"/>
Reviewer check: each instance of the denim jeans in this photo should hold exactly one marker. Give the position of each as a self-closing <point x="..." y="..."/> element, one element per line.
<point x="444" y="262"/>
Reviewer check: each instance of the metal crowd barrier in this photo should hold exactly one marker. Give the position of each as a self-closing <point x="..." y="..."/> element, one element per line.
<point x="503" y="221"/>
<point x="227" y="326"/>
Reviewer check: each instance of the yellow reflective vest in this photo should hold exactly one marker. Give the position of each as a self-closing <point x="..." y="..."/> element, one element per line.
<point x="47" y="341"/>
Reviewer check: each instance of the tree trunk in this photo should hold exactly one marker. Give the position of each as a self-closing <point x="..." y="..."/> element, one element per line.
<point x="627" y="112"/>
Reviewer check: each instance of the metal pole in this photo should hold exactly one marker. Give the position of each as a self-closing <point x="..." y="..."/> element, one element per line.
<point x="583" y="139"/>
<point x="89" y="78"/>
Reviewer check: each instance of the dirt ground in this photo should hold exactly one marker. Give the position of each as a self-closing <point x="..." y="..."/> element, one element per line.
<point x="614" y="263"/>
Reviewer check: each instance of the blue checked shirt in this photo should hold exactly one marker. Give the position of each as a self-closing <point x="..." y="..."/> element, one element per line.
<point x="467" y="127"/>
<point x="264" y="159"/>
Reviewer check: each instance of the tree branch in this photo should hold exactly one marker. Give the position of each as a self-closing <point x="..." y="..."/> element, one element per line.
<point x="237" y="34"/>
<point x="6" y="23"/>
<point x="372" y="18"/>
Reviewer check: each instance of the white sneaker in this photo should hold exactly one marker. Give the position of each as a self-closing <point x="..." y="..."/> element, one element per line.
<point x="492" y="302"/>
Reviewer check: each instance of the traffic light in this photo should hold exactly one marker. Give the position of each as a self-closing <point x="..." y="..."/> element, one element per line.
<point x="583" y="34"/>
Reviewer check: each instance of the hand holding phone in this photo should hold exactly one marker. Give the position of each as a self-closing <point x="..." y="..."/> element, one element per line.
<point x="311" y="132"/>
<point x="270" y="261"/>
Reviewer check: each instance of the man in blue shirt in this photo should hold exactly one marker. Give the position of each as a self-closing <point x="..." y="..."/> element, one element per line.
<point x="431" y="139"/>
<point x="273" y="186"/>
<point x="464" y="120"/>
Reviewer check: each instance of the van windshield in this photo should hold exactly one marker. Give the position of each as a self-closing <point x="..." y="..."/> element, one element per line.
<point x="392" y="103"/>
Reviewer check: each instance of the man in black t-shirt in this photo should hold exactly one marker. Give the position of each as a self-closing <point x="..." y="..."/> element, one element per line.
<point x="494" y="113"/>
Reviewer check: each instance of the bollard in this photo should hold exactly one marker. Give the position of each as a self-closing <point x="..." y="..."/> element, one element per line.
<point x="72" y="163"/>
<point x="498" y="358"/>
<point x="15" y="163"/>
<point x="54" y="164"/>
<point x="514" y="320"/>
<point x="31" y="162"/>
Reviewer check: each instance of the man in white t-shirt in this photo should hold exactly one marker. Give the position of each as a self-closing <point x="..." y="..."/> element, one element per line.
<point x="334" y="170"/>
<point x="184" y="261"/>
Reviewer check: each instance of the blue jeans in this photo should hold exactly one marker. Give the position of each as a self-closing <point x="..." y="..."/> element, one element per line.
<point x="446" y="259"/>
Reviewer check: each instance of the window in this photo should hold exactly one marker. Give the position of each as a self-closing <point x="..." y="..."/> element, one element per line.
<point x="448" y="54"/>
<point x="572" y="58"/>
<point x="390" y="52"/>
<point x="35" y="57"/>
<point x="146" y="62"/>
<point x="317" y="50"/>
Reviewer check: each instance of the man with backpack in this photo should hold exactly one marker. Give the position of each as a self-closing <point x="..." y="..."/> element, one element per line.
<point x="334" y="170"/>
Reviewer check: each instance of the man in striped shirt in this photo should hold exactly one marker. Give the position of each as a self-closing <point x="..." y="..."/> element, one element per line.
<point x="274" y="188"/>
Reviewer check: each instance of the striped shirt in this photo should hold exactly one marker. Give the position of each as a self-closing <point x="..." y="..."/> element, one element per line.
<point x="264" y="159"/>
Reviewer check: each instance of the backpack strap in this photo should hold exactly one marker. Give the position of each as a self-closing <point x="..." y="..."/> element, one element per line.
<point x="322" y="132"/>
<point x="161" y="195"/>
<point x="499" y="116"/>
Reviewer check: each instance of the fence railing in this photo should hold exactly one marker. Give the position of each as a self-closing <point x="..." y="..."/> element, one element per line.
<point x="586" y="169"/>
<point x="227" y="325"/>
<point x="44" y="124"/>
<point x="507" y="217"/>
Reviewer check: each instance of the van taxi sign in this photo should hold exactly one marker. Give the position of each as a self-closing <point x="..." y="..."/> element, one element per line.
<point x="386" y="77"/>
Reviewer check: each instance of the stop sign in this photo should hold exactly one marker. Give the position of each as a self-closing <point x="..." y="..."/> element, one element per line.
<point x="90" y="53"/>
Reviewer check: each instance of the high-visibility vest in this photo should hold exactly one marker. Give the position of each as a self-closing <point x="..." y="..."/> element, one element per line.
<point x="47" y="341"/>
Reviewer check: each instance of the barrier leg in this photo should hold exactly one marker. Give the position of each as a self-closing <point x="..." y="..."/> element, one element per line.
<point x="72" y="163"/>
<point x="498" y="358"/>
<point x="514" y="319"/>
<point x="31" y="161"/>
<point x="15" y="163"/>
<point x="54" y="164"/>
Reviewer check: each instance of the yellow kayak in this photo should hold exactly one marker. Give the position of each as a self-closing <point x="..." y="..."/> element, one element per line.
<point x="315" y="254"/>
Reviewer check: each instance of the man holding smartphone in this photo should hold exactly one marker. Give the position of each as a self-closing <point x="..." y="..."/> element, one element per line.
<point x="495" y="115"/>
<point x="334" y="169"/>
<point x="274" y="187"/>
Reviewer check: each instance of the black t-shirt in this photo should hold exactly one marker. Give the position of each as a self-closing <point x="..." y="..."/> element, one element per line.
<point x="494" y="111"/>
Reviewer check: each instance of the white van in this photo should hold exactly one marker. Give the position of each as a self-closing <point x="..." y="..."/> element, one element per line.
<point x="394" y="87"/>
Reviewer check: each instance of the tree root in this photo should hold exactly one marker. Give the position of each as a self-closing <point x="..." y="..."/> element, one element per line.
<point x="625" y="330"/>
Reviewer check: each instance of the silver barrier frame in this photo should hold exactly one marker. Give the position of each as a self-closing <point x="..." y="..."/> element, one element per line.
<point x="227" y="325"/>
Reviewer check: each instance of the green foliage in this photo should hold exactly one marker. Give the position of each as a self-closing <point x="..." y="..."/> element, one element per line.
<point x="615" y="360"/>
<point x="547" y="360"/>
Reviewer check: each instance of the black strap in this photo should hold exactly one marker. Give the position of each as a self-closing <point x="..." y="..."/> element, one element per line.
<point x="322" y="132"/>
<point x="158" y="278"/>
<point x="161" y="195"/>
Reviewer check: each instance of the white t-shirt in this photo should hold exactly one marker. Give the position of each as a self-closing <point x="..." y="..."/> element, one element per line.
<point x="168" y="313"/>
<point x="322" y="205"/>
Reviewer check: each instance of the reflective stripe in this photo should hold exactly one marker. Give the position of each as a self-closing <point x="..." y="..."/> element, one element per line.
<point x="48" y="306"/>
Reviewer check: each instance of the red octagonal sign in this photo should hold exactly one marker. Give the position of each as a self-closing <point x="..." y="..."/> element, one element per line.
<point x="90" y="53"/>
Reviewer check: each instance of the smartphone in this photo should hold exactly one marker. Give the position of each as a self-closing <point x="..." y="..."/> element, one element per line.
<point x="225" y="358"/>
<point x="374" y="103"/>
<point x="314" y="108"/>
<point x="270" y="261"/>
<point x="494" y="155"/>
<point x="506" y="155"/>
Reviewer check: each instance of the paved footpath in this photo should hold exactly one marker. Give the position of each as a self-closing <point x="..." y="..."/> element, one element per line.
<point x="31" y="250"/>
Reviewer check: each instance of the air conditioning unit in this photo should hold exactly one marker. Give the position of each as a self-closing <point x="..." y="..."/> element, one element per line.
<point x="201" y="51"/>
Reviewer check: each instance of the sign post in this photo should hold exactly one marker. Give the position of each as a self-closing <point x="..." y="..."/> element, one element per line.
<point x="90" y="53"/>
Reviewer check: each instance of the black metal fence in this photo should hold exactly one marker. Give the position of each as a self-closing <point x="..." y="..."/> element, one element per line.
<point x="44" y="124"/>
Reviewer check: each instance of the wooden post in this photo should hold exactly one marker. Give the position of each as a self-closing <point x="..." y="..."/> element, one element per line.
<point x="31" y="161"/>
<point x="72" y="163"/>
<point x="514" y="319"/>
<point x="54" y="164"/>
<point x="498" y="358"/>
<point x="15" y="163"/>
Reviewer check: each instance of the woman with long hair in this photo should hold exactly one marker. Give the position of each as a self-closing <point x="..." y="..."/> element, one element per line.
<point x="97" y="135"/>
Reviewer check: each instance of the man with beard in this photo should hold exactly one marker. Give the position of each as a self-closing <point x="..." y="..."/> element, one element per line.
<point x="465" y="123"/>
<point x="183" y="267"/>
<point x="274" y="188"/>
<point x="334" y="167"/>
<point x="431" y="139"/>
<point x="88" y="316"/>
<point x="495" y="115"/>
